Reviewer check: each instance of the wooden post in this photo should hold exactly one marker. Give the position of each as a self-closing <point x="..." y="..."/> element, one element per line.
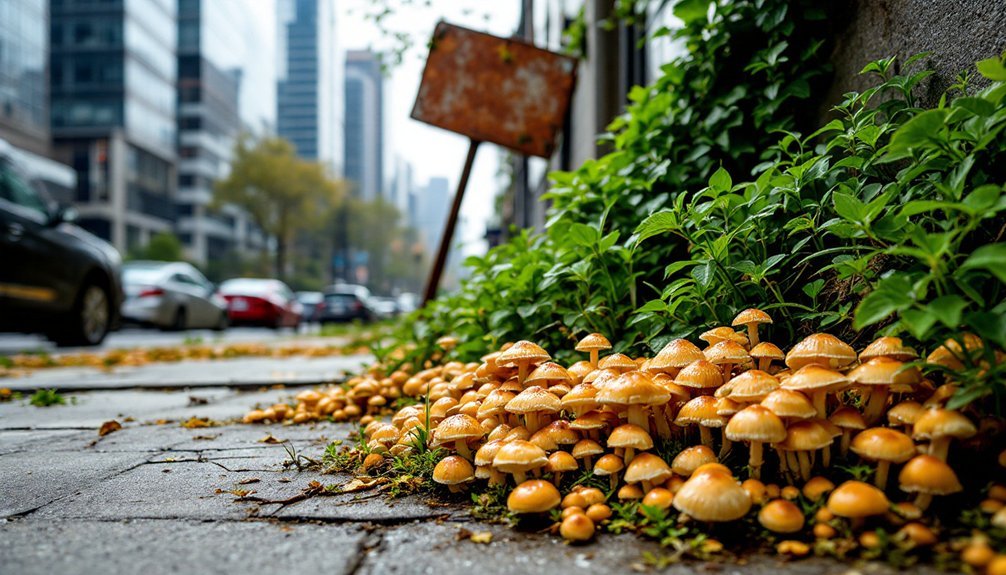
<point x="433" y="282"/>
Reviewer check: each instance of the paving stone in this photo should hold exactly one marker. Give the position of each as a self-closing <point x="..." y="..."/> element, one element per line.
<point x="12" y="441"/>
<point x="31" y="479"/>
<point x="162" y="547"/>
<point x="368" y="506"/>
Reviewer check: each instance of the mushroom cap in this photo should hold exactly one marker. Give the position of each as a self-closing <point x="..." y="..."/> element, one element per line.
<point x="700" y="411"/>
<point x="905" y="413"/>
<point x="548" y="371"/>
<point x="949" y="353"/>
<point x="453" y="470"/>
<point x="617" y="361"/>
<point x="494" y="403"/>
<point x="630" y="491"/>
<point x="587" y="448"/>
<point x="756" y="423"/>
<point x="441" y="406"/>
<point x="767" y="350"/>
<point x="590" y="420"/>
<point x="458" y="427"/>
<point x="806" y="435"/>
<point x="751" y="316"/>
<point x="821" y="349"/>
<point x="518" y="456"/>
<point x="524" y="352"/>
<point x="593" y="342"/>
<point x="561" y="432"/>
<point x="676" y="354"/>
<point x="884" y="371"/>
<point x="726" y="407"/>
<point x="816" y="487"/>
<point x="789" y="403"/>
<point x="723" y="333"/>
<point x="678" y="393"/>
<point x="848" y="418"/>
<point x="632" y="388"/>
<point x="938" y="423"/>
<point x="712" y="496"/>
<point x="484" y="456"/>
<point x="781" y="516"/>
<point x="726" y="352"/>
<point x="448" y="342"/>
<point x="813" y="377"/>
<point x="883" y="444"/>
<point x="580" y="369"/>
<point x="629" y="435"/>
<point x="608" y="464"/>
<point x="647" y="467"/>
<point x="891" y="347"/>
<point x="700" y="374"/>
<point x="688" y="460"/>
<point x="560" y="461"/>
<point x="533" y="496"/>
<point x="534" y="400"/>
<point x="577" y="527"/>
<point x="927" y="474"/>
<point x="582" y="395"/>
<point x="750" y="386"/>
<point x="855" y="499"/>
<point x="711" y="467"/>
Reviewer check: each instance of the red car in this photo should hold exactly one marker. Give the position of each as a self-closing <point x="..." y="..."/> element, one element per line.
<point x="262" y="302"/>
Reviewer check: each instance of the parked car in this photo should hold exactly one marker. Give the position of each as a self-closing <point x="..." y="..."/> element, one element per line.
<point x="384" y="307"/>
<point x="263" y="302"/>
<point x="311" y="302"/>
<point x="172" y="296"/>
<point x="342" y="307"/>
<point x="55" y="278"/>
<point x="408" y="302"/>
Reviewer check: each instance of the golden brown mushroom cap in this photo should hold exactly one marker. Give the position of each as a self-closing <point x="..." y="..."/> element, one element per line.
<point x="751" y="316"/>
<point x="816" y="487"/>
<point x="519" y="456"/>
<point x="522" y="352"/>
<point x="767" y="350"/>
<point x="937" y="423"/>
<point x="789" y="403"/>
<point x="533" y="496"/>
<point x="726" y="352"/>
<point x="453" y="470"/>
<point x="608" y="464"/>
<point x="750" y="386"/>
<point x="484" y="456"/>
<point x="712" y="496"/>
<point x="822" y="349"/>
<point x="560" y="461"/>
<point x="458" y="427"/>
<point x="632" y="388"/>
<point x="726" y="407"/>
<point x="579" y="370"/>
<point x="589" y="421"/>
<point x="927" y="474"/>
<point x="891" y="347"/>
<point x="587" y="448"/>
<point x="848" y="418"/>
<point x="534" y="400"/>
<point x="813" y="377"/>
<point x="647" y="467"/>
<point x="905" y="413"/>
<point x="577" y="527"/>
<point x="884" y="371"/>
<point x="494" y="403"/>
<point x="688" y="460"/>
<point x="723" y="333"/>
<point x="548" y="372"/>
<point x="699" y="374"/>
<point x="806" y="435"/>
<point x="756" y="423"/>
<point x="781" y="516"/>
<point x="883" y="444"/>
<point x="629" y="435"/>
<point x="593" y="342"/>
<point x="617" y="361"/>
<point x="855" y="499"/>
<point x="700" y="411"/>
<point x="675" y="355"/>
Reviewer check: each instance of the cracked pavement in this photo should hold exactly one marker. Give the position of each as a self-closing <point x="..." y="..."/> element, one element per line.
<point x="159" y="498"/>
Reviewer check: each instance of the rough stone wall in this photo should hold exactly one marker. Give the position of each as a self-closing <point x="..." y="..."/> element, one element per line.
<point x="956" y="32"/>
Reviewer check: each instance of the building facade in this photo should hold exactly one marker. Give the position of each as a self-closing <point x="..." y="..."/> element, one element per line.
<point x="364" y="158"/>
<point x="309" y="72"/>
<point x="113" y="99"/>
<point x="212" y="36"/>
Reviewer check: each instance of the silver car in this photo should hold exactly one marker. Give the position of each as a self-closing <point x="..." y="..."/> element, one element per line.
<point x="171" y="295"/>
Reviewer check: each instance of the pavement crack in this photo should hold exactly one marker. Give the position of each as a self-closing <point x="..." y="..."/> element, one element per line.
<point x="368" y="546"/>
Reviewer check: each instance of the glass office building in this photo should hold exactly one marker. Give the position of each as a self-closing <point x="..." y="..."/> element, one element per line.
<point x="113" y="75"/>
<point x="24" y="33"/>
<point x="364" y="151"/>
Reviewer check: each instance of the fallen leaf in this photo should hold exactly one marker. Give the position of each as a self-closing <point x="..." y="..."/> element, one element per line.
<point x="129" y="419"/>
<point x="206" y="437"/>
<point x="362" y="484"/>
<point x="110" y="426"/>
<point x="235" y="492"/>
<point x="195" y="400"/>
<point x="284" y="480"/>
<point x="196" y="423"/>
<point x="249" y="480"/>
<point x="484" y="537"/>
<point x="271" y="439"/>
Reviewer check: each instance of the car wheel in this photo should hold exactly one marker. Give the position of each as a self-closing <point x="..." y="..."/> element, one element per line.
<point x="88" y="323"/>
<point x="222" y="323"/>
<point x="180" y="320"/>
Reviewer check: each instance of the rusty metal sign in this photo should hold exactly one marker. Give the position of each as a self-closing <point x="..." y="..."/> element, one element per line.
<point x="497" y="90"/>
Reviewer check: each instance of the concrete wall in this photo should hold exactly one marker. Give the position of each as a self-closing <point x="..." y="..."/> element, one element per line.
<point x="957" y="32"/>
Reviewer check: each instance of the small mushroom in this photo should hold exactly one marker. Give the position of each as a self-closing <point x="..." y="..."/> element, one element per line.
<point x="458" y="430"/>
<point x="674" y="356"/>
<point x="878" y="375"/>
<point x="765" y="353"/>
<point x="817" y="382"/>
<point x="523" y="355"/>
<point x="609" y="465"/>
<point x="688" y="460"/>
<point x="756" y="425"/>
<point x="856" y="500"/>
<point x="517" y="457"/>
<point x="820" y="349"/>
<point x="848" y="420"/>
<point x="928" y="476"/>
<point x="627" y="439"/>
<point x="453" y="471"/>
<point x="593" y="344"/>
<point x="726" y="354"/>
<point x="940" y="426"/>
<point x="701" y="411"/>
<point x="885" y="446"/>
<point x="647" y="469"/>
<point x="751" y="318"/>
<point x="560" y="462"/>
<point x="577" y="527"/>
<point x="533" y="496"/>
<point x="534" y="403"/>
<point x="712" y="495"/>
<point x="585" y="449"/>
<point x="635" y="392"/>
<point x="781" y="516"/>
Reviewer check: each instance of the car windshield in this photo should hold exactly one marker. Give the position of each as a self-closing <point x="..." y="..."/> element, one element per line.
<point x="248" y="286"/>
<point x="339" y="297"/>
<point x="133" y="275"/>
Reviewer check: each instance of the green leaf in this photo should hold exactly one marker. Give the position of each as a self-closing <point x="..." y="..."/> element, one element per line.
<point x="983" y="198"/>
<point x="677" y="266"/>
<point x="721" y="181"/>
<point x="993" y="69"/>
<point x="849" y="207"/>
<point x="813" y="288"/>
<point x="703" y="274"/>
<point x="989" y="326"/>
<point x="655" y="224"/>
<point x="947" y="309"/>
<point x="918" y="322"/>
<point x="691" y="10"/>
<point x="977" y="106"/>
<point x="991" y="258"/>
<point x="918" y="132"/>
<point x="583" y="234"/>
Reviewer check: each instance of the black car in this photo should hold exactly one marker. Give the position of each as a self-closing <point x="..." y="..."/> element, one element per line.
<point x="55" y="278"/>
<point x="343" y="307"/>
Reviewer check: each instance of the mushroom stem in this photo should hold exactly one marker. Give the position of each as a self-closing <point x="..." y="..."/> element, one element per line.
<point x="804" y="465"/>
<point x="613" y="480"/>
<point x="522" y="368"/>
<point x="880" y="480"/>
<point x="939" y="448"/>
<point x="587" y="463"/>
<point x="531" y="421"/>
<point x="794" y="464"/>
<point x="647" y="486"/>
<point x="519" y="477"/>
<point x="783" y="468"/>
<point x="628" y="455"/>
<point x="725" y="447"/>
<point x="826" y="456"/>
<point x="663" y="428"/>
<point x="756" y="459"/>
<point x="637" y="416"/>
<point x="461" y="446"/>
<point x="593" y="358"/>
<point x="764" y="363"/>
<point x="706" y="435"/>
<point x="454" y="488"/>
<point x="727" y="369"/>
<point x="752" y="335"/>
<point x="820" y="404"/>
<point x="514" y="421"/>
<point x="557" y="478"/>
<point x="875" y="405"/>
<point x="496" y="477"/>
<point x="923" y="500"/>
<point x="846" y="439"/>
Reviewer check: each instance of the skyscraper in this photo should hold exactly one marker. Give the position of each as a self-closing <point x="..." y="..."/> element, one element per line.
<point x="113" y="74"/>
<point x="309" y="110"/>
<point x="364" y="164"/>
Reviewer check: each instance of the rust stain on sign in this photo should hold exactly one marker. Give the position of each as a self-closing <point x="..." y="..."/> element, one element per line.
<point x="495" y="90"/>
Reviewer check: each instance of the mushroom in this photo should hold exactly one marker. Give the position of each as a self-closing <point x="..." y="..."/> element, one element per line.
<point x="701" y="411"/>
<point x="781" y="516"/>
<point x="523" y="354"/>
<point x="856" y="500"/>
<point x="577" y="527"/>
<point x="630" y="492"/>
<point x="816" y="381"/>
<point x="751" y="318"/>
<point x="517" y="457"/>
<point x="459" y="430"/>
<point x="750" y="386"/>
<point x="928" y="476"/>
<point x="688" y="460"/>
<point x="609" y="465"/>
<point x="494" y="405"/>
<point x="585" y="449"/>
<point x="453" y="471"/>
<point x="579" y="370"/>
<point x="647" y="469"/>
<point x="756" y="425"/>
<point x="484" y="461"/>
<point x="939" y="426"/>
<point x="560" y="433"/>
<point x="890" y="347"/>
<point x="635" y="392"/>
<point x="789" y="405"/>
<point x="700" y="376"/>
<point x="878" y="375"/>
<point x="821" y="349"/>
<point x="803" y="438"/>
<point x="817" y="488"/>
<point x="628" y="438"/>
<point x="723" y="333"/>
<point x="534" y="403"/>
<point x="618" y="362"/>
<point x="559" y="463"/>
<point x="593" y="344"/>
<point x="765" y="353"/>
<point x="674" y="356"/>
<point x="547" y="375"/>
<point x="590" y="423"/>
<point x="885" y="446"/>
<point x="726" y="354"/>
<point x="712" y="495"/>
<point x="848" y="420"/>
<point x="726" y="408"/>
<point x="905" y="414"/>
<point x="533" y="496"/>
<point x="658" y="497"/>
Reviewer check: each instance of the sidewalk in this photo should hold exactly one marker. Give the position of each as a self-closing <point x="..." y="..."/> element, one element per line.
<point x="159" y="498"/>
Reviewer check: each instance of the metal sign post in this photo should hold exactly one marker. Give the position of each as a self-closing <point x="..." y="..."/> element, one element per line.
<point x="498" y="90"/>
